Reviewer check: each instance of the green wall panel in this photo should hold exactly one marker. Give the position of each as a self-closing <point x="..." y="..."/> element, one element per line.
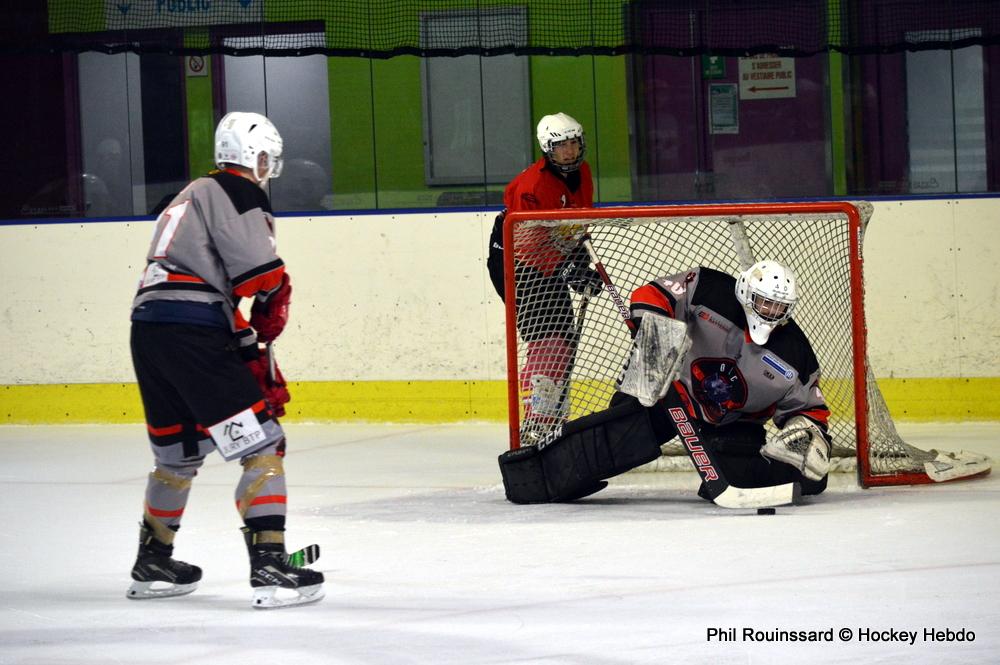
<point x="351" y="141"/>
<point x="200" y="122"/>
<point x="592" y="90"/>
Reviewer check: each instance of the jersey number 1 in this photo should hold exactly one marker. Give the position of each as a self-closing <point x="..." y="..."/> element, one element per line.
<point x="173" y="216"/>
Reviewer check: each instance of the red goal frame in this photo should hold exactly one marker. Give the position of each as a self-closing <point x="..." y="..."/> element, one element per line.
<point x="856" y="289"/>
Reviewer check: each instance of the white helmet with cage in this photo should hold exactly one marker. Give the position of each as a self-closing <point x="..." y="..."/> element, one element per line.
<point x="555" y="129"/>
<point x="240" y="139"/>
<point x="768" y="293"/>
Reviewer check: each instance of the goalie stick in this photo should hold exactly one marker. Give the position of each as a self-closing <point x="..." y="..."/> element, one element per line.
<point x="677" y="403"/>
<point x="703" y="457"/>
<point x="578" y="333"/>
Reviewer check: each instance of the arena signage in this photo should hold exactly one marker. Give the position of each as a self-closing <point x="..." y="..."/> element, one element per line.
<point x="145" y="14"/>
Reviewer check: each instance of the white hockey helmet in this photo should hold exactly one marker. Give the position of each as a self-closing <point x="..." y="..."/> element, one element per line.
<point x="554" y="129"/>
<point x="241" y="137"/>
<point x="768" y="294"/>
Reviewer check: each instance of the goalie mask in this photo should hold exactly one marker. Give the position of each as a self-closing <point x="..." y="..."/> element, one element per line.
<point x="554" y="131"/>
<point x="240" y="139"/>
<point x="768" y="295"/>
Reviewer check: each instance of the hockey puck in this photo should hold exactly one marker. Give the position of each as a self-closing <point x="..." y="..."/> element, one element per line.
<point x="766" y="511"/>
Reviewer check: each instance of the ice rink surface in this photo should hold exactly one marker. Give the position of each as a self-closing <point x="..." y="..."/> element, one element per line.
<point x="426" y="562"/>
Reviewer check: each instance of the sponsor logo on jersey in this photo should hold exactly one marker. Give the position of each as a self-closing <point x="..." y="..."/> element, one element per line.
<point x="776" y="364"/>
<point x="705" y="316"/>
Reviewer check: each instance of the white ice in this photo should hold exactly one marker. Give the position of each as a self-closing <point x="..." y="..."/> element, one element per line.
<point x="427" y="563"/>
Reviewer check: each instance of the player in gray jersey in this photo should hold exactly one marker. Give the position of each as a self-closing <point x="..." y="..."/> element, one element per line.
<point x="205" y="383"/>
<point x="713" y="359"/>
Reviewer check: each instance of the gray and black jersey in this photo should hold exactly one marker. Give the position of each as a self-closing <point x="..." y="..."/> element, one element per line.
<point x="729" y="376"/>
<point x="213" y="245"/>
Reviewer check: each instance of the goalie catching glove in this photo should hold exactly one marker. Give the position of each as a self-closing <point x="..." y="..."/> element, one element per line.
<point x="803" y="445"/>
<point x="658" y="353"/>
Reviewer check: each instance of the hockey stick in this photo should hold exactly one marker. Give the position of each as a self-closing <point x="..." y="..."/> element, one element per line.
<point x="608" y="284"/>
<point x="703" y="457"/>
<point x="305" y="556"/>
<point x="677" y="403"/>
<point x="270" y="363"/>
<point x="309" y="553"/>
<point x="580" y="318"/>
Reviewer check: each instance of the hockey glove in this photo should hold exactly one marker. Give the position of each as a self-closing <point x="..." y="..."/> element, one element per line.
<point x="803" y="445"/>
<point x="275" y="392"/>
<point x="582" y="278"/>
<point x="269" y="317"/>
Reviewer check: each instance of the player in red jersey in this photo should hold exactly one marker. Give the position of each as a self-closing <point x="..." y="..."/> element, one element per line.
<point x="548" y="263"/>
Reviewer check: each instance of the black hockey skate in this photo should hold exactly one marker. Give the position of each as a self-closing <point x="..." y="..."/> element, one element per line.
<point x="270" y="570"/>
<point x="155" y="566"/>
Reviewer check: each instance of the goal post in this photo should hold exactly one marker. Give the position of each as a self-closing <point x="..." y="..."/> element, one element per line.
<point x="565" y="350"/>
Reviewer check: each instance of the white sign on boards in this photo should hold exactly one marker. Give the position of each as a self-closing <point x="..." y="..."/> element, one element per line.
<point x="766" y="77"/>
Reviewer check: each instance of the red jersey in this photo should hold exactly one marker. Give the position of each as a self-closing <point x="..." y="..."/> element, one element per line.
<point x="538" y="187"/>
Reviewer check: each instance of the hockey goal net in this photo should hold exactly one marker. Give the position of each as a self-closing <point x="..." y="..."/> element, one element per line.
<point x="822" y="242"/>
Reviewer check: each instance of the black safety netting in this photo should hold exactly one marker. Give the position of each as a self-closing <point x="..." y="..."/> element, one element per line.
<point x="387" y="28"/>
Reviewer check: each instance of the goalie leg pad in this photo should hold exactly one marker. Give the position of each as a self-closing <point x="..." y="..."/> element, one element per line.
<point x="588" y="451"/>
<point x="523" y="476"/>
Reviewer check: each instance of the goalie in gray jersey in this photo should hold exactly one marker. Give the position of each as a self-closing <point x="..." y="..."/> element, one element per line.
<point x="713" y="359"/>
<point x="740" y="360"/>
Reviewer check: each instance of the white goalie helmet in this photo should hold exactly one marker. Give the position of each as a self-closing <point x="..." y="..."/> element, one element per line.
<point x="556" y="128"/>
<point x="768" y="293"/>
<point x="241" y="137"/>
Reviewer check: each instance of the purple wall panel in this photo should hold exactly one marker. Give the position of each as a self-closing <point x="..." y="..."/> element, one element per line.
<point x="35" y="111"/>
<point x="780" y="150"/>
<point x="884" y="140"/>
<point x="671" y="143"/>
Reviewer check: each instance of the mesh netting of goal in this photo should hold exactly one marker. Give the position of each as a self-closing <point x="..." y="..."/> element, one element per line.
<point x="821" y="241"/>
